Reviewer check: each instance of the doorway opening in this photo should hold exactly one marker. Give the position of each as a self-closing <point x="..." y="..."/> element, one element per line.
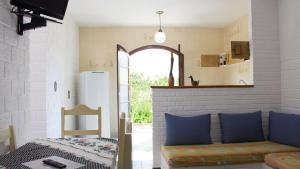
<point x="138" y="70"/>
<point x="149" y="67"/>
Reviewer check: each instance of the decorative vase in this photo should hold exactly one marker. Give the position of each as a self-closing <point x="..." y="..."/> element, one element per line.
<point x="171" y="80"/>
<point x="171" y="77"/>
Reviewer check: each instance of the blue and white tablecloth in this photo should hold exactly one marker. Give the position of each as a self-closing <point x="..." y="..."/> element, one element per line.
<point x="93" y="153"/>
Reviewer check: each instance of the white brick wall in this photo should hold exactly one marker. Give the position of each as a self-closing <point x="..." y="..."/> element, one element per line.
<point x="38" y="49"/>
<point x="290" y="54"/>
<point x="56" y="44"/>
<point x="264" y="96"/>
<point x="14" y="73"/>
<point x="53" y="57"/>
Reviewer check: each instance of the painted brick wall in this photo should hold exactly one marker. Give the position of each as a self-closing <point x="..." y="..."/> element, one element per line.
<point x="290" y="54"/>
<point x="38" y="70"/>
<point x="54" y="57"/>
<point x="264" y="38"/>
<point x="14" y="75"/>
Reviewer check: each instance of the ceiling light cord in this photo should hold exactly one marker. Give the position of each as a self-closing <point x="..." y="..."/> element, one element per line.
<point x="160" y="36"/>
<point x="160" y="29"/>
<point x="159" y="13"/>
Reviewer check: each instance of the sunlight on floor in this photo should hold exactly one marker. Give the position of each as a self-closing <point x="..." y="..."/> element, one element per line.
<point x="142" y="146"/>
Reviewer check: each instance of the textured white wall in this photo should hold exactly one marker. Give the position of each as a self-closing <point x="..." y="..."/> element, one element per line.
<point x="289" y="22"/>
<point x="14" y="75"/>
<point x="264" y="39"/>
<point x="38" y="70"/>
<point x="54" y="57"/>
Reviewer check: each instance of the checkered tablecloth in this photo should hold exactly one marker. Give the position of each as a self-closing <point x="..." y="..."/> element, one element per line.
<point x="93" y="153"/>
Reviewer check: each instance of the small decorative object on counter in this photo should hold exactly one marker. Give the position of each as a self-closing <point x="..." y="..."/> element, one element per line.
<point x="223" y="59"/>
<point x="171" y="77"/>
<point x="193" y="82"/>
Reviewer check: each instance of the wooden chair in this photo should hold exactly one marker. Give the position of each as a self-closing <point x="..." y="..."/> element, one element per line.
<point x="125" y="144"/>
<point x="8" y="135"/>
<point x="77" y="111"/>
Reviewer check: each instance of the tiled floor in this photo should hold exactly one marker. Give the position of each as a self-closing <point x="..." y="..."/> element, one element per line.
<point x="142" y="147"/>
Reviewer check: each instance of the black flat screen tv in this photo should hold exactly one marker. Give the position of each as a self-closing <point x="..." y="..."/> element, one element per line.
<point x="52" y="8"/>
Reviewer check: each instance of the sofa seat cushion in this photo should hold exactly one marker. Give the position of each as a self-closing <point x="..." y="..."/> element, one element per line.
<point x="221" y="154"/>
<point x="289" y="160"/>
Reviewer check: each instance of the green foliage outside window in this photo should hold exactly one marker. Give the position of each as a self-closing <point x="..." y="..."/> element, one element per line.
<point x="141" y="105"/>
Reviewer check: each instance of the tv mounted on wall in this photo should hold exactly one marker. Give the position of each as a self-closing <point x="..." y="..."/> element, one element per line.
<point x="35" y="8"/>
<point x="52" y="8"/>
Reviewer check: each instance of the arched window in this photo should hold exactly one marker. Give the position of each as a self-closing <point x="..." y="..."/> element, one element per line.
<point x="171" y="50"/>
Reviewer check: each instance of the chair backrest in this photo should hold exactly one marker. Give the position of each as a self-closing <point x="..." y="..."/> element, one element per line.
<point x="80" y="110"/>
<point x="8" y="135"/>
<point x="125" y="144"/>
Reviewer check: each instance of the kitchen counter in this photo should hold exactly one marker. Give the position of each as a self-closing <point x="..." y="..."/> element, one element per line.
<point x="203" y="86"/>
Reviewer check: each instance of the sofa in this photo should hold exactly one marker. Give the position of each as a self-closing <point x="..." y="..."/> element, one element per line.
<point x="288" y="160"/>
<point x="273" y="152"/>
<point x="237" y="155"/>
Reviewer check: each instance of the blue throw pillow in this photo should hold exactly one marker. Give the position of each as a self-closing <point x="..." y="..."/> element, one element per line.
<point x="284" y="128"/>
<point x="242" y="127"/>
<point x="187" y="130"/>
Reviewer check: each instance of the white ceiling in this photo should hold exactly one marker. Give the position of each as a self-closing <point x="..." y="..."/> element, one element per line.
<point x="200" y="13"/>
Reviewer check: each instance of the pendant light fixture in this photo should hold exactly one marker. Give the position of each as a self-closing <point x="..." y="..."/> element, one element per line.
<point x="160" y="36"/>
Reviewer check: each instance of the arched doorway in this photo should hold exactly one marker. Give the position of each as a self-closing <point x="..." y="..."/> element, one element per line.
<point x="147" y="66"/>
<point x="123" y="72"/>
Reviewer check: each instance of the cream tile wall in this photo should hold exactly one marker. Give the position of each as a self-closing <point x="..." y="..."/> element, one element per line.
<point x="265" y="96"/>
<point x="237" y="69"/>
<point x="236" y="31"/>
<point x="238" y="73"/>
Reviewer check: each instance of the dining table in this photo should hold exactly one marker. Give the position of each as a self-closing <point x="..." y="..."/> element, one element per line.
<point x="87" y="153"/>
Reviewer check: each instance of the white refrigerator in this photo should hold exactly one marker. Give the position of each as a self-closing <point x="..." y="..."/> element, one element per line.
<point x="94" y="93"/>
